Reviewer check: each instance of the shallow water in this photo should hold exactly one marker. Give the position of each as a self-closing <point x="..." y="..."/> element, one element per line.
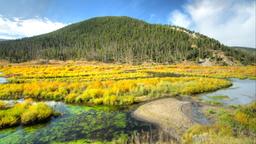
<point x="241" y="92"/>
<point x="99" y="123"/>
<point x="77" y="122"/>
<point x="2" y="80"/>
<point x="198" y="116"/>
<point x="106" y="123"/>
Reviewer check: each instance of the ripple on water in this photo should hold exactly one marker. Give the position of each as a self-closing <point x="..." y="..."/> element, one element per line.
<point x="241" y="92"/>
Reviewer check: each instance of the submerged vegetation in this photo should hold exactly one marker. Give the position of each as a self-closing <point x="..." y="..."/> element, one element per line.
<point x="27" y="112"/>
<point x="83" y="124"/>
<point x="219" y="97"/>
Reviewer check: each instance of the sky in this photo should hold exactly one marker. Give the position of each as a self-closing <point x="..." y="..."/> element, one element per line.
<point x="232" y="22"/>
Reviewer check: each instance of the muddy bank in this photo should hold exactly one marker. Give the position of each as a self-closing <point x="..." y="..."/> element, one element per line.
<point x="172" y="115"/>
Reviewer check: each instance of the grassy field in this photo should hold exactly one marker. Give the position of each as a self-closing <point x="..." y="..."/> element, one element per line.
<point x="113" y="84"/>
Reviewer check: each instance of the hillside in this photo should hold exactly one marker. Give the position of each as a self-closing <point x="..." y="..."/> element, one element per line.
<point x="245" y="49"/>
<point x="122" y="39"/>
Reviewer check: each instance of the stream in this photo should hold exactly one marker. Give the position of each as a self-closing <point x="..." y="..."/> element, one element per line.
<point x="102" y="123"/>
<point x="241" y="92"/>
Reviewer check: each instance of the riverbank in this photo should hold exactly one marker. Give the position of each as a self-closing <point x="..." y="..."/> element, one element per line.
<point x="184" y="121"/>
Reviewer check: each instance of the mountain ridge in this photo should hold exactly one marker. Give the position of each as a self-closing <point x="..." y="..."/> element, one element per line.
<point x="122" y="39"/>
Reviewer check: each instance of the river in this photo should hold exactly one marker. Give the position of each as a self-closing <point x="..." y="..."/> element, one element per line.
<point x="241" y="92"/>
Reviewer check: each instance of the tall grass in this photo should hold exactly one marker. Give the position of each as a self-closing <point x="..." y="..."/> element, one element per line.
<point x="110" y="84"/>
<point x="26" y="112"/>
<point x="110" y="92"/>
<point x="231" y="127"/>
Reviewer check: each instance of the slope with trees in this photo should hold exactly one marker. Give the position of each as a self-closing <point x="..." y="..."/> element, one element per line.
<point x="120" y="39"/>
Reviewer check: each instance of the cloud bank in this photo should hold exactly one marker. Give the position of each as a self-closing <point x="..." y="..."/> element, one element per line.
<point x="232" y="22"/>
<point x="13" y="28"/>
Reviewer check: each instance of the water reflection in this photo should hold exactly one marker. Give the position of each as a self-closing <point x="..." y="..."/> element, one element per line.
<point x="241" y="92"/>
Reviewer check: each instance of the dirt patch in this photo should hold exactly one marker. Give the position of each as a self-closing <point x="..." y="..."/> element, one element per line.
<point x="172" y="115"/>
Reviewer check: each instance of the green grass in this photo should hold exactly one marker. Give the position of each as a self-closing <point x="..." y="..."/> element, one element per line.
<point x="211" y="111"/>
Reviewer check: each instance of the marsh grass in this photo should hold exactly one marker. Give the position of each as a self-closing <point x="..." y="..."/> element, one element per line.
<point x="110" y="92"/>
<point x="237" y="127"/>
<point x="27" y="112"/>
<point x="213" y="102"/>
<point x="110" y="84"/>
<point x="219" y="97"/>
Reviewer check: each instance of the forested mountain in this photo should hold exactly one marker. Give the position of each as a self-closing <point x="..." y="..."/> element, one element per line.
<point x="121" y="39"/>
<point x="245" y="49"/>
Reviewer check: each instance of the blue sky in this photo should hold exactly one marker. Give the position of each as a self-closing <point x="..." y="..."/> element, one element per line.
<point x="230" y="21"/>
<point x="70" y="11"/>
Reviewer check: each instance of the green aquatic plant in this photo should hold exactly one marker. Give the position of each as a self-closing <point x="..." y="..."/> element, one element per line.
<point x="212" y="102"/>
<point x="219" y="97"/>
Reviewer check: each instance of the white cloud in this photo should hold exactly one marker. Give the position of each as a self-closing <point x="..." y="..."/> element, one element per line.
<point x="180" y="19"/>
<point x="231" y="21"/>
<point x="11" y="28"/>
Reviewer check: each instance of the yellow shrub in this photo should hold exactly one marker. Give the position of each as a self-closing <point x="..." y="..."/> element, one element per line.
<point x="110" y="100"/>
<point x="71" y="97"/>
<point x="36" y="112"/>
<point x="242" y="118"/>
<point x="8" y="120"/>
<point x="95" y="85"/>
<point x="126" y="100"/>
<point x="97" y="101"/>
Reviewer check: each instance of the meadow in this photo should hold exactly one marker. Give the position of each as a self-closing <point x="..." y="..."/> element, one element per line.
<point x="113" y="84"/>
